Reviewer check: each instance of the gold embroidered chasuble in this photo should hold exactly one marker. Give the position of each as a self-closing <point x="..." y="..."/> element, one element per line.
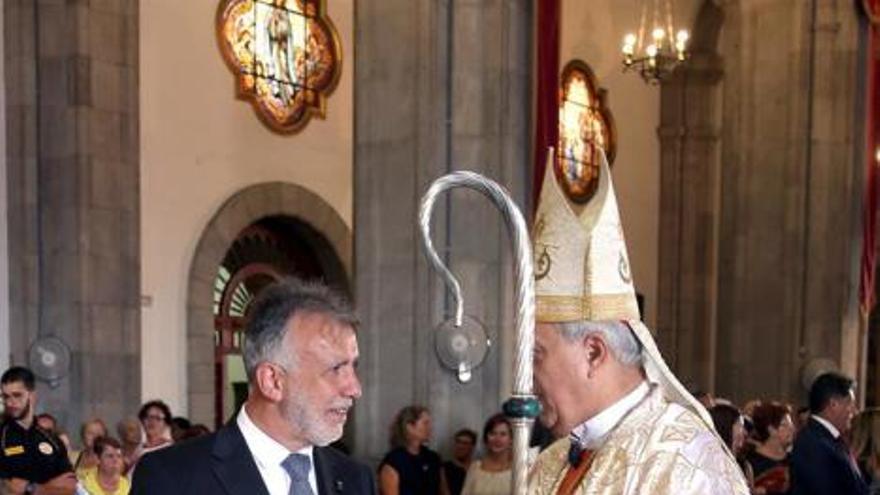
<point x="658" y="448"/>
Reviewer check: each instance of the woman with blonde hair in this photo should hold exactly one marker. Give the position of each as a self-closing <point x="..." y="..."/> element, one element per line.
<point x="90" y="431"/>
<point x="865" y="446"/>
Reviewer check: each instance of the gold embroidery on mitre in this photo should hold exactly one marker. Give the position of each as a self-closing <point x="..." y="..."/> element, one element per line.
<point x="543" y="262"/>
<point x="596" y="307"/>
<point x="623" y="269"/>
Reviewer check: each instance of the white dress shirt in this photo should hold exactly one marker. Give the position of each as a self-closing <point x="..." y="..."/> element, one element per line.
<point x="828" y="426"/>
<point x="268" y="454"/>
<point x="591" y="433"/>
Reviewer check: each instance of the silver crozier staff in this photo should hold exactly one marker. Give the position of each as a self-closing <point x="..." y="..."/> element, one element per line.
<point x="522" y="408"/>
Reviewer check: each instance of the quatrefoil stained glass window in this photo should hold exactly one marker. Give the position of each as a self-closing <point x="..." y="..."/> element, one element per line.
<point x="285" y="55"/>
<point x="585" y="127"/>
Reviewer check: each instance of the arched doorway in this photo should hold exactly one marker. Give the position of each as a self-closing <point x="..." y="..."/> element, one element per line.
<point x="258" y="235"/>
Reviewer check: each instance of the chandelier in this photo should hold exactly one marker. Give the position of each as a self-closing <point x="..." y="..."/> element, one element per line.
<point x="654" y="58"/>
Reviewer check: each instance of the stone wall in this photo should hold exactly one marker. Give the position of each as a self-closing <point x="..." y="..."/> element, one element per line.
<point x="440" y="86"/>
<point x="761" y="196"/>
<point x="73" y="169"/>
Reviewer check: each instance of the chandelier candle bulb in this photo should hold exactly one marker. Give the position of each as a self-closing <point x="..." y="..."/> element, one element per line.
<point x="629" y="45"/>
<point x="655" y="56"/>
<point x="658" y="35"/>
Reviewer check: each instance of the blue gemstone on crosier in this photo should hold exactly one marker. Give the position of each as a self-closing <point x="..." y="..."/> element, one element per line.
<point x="522" y="407"/>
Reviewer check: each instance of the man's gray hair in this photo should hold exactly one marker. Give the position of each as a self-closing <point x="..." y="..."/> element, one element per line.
<point x="275" y="306"/>
<point x="620" y="339"/>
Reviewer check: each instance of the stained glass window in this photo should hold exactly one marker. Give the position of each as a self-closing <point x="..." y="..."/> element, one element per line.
<point x="285" y="55"/>
<point x="585" y="127"/>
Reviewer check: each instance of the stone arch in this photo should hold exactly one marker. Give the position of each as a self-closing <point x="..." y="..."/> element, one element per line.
<point x="333" y="242"/>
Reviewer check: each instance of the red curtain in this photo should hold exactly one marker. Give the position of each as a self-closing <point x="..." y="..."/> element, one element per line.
<point x="872" y="188"/>
<point x="547" y="87"/>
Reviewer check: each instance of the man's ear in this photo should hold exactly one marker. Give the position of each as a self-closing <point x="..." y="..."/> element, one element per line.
<point x="269" y="382"/>
<point x="595" y="352"/>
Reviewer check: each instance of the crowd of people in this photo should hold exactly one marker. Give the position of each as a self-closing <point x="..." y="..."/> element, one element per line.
<point x="38" y="455"/>
<point x="411" y="467"/>
<point x="824" y="447"/>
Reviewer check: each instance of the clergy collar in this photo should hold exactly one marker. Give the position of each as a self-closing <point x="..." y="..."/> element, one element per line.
<point x="828" y="426"/>
<point x="590" y="433"/>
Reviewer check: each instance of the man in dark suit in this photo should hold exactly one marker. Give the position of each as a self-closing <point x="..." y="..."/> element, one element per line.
<point x="300" y="352"/>
<point x="821" y="462"/>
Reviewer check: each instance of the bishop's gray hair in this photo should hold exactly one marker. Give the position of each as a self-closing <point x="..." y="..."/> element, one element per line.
<point x="275" y="306"/>
<point x="617" y="335"/>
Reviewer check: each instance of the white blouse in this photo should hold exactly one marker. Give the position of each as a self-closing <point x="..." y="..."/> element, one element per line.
<point x="482" y="482"/>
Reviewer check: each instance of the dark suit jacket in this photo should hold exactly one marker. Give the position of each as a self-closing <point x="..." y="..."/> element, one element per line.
<point x="221" y="463"/>
<point x="821" y="465"/>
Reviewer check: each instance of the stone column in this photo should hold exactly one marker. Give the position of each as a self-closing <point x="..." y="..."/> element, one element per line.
<point x="690" y="192"/>
<point x="439" y="86"/>
<point x="73" y="158"/>
<point x="761" y="282"/>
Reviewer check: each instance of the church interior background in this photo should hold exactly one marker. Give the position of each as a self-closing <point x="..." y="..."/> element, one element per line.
<point x="147" y="197"/>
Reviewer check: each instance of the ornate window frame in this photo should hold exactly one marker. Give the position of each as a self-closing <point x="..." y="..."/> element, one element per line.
<point x="285" y="103"/>
<point x="577" y="187"/>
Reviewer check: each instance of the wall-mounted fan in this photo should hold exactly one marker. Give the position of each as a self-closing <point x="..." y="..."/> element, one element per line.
<point x="49" y="359"/>
<point x="461" y="349"/>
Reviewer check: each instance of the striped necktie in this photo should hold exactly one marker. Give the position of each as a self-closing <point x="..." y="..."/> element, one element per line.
<point x="298" y="467"/>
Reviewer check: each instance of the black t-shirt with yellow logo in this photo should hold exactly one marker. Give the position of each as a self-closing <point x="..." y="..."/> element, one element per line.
<point x="33" y="454"/>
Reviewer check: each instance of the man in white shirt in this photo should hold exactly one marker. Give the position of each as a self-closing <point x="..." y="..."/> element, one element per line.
<point x="300" y="352"/>
<point x="820" y="461"/>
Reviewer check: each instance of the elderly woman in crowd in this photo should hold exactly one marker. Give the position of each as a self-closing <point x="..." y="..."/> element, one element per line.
<point x="90" y="431"/>
<point x="491" y="475"/>
<point x="155" y="417"/>
<point x="769" y="460"/>
<point x="410" y="468"/>
<point x="130" y="433"/>
<point x="106" y="477"/>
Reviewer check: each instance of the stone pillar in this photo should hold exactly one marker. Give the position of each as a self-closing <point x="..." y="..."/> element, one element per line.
<point x="439" y="86"/>
<point x="690" y="192"/>
<point x="762" y="280"/>
<point x="73" y="158"/>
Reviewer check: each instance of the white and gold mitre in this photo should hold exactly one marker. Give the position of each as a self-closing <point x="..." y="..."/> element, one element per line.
<point x="582" y="270"/>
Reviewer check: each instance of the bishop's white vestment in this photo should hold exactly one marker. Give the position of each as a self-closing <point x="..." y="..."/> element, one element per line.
<point x="658" y="447"/>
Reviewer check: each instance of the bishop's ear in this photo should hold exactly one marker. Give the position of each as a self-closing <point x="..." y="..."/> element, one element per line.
<point x="595" y="351"/>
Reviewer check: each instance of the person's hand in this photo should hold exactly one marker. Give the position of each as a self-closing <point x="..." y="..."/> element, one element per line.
<point x="14" y="486"/>
<point x="63" y="484"/>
